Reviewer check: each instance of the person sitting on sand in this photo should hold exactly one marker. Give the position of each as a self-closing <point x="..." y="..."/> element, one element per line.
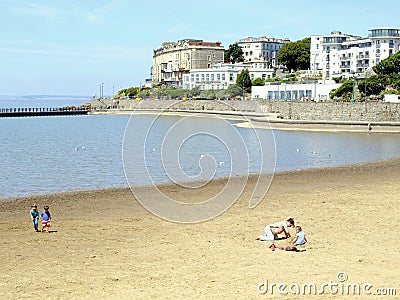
<point x="34" y="213"/>
<point x="300" y="238"/>
<point x="46" y="218"/>
<point x="274" y="229"/>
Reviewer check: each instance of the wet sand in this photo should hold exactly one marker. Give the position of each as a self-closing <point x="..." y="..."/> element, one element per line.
<point x="105" y="245"/>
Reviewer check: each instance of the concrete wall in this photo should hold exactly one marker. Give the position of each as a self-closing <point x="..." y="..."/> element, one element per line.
<point x="290" y="110"/>
<point x="334" y="111"/>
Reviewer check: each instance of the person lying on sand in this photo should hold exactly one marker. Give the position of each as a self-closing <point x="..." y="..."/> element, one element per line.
<point x="274" y="229"/>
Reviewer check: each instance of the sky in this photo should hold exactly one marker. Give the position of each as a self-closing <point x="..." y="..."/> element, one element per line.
<point x="71" y="47"/>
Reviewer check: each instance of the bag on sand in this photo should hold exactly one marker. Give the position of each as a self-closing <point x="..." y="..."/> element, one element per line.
<point x="291" y="248"/>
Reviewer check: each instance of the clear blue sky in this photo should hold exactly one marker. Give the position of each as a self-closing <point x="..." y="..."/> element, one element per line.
<point x="69" y="47"/>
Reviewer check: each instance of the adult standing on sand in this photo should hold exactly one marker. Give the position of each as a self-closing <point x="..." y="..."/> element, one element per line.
<point x="274" y="229"/>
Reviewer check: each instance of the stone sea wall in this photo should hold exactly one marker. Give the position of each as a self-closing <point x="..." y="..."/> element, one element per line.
<point x="334" y="111"/>
<point x="289" y="110"/>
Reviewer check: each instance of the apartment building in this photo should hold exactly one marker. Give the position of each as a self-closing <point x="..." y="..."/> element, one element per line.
<point x="262" y="50"/>
<point x="174" y="59"/>
<point x="343" y="55"/>
<point x="222" y="75"/>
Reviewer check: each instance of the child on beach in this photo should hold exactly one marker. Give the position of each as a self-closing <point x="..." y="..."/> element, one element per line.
<point x="300" y="237"/>
<point x="34" y="213"/>
<point x="46" y="218"/>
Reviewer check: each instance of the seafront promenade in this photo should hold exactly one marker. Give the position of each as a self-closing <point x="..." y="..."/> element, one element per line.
<point x="288" y="115"/>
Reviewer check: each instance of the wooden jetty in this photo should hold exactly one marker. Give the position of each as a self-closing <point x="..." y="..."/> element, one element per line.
<point x="36" y="112"/>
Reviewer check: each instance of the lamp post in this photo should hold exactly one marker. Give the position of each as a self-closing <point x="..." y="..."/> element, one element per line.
<point x="354" y="80"/>
<point x="243" y="86"/>
<point x="365" y="89"/>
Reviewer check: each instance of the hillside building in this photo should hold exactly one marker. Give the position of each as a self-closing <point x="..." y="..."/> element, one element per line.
<point x="343" y="55"/>
<point x="262" y="50"/>
<point x="222" y="75"/>
<point x="174" y="59"/>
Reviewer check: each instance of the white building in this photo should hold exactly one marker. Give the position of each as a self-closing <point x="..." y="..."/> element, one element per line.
<point x="343" y="55"/>
<point x="317" y="90"/>
<point x="222" y="75"/>
<point x="262" y="50"/>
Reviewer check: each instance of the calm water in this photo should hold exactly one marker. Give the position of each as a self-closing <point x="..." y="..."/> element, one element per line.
<point x="38" y="101"/>
<point x="52" y="154"/>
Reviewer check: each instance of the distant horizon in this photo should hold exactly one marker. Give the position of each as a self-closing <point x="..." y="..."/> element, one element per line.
<point x="72" y="47"/>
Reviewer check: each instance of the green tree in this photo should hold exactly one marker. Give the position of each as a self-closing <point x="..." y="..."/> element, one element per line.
<point x="258" y="82"/>
<point x="130" y="92"/>
<point x="175" y="92"/>
<point x="243" y="80"/>
<point x="344" y="89"/>
<point x="233" y="91"/>
<point x="388" y="66"/>
<point x="295" y="55"/>
<point x="376" y="84"/>
<point x="222" y="94"/>
<point x="194" y="91"/>
<point x="208" y="94"/>
<point x="233" y="54"/>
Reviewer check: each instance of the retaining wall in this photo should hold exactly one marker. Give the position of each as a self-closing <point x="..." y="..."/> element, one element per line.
<point x="290" y="110"/>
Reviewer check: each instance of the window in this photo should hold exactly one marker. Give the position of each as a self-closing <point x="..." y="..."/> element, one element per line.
<point x="207" y="77"/>
<point x="212" y="77"/>
<point x="192" y="77"/>
<point x="218" y="76"/>
<point x="202" y="77"/>
<point x="230" y="77"/>
<point x="223" y="77"/>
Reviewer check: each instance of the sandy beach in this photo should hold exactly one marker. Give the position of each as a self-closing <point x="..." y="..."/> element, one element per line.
<point x="105" y="245"/>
